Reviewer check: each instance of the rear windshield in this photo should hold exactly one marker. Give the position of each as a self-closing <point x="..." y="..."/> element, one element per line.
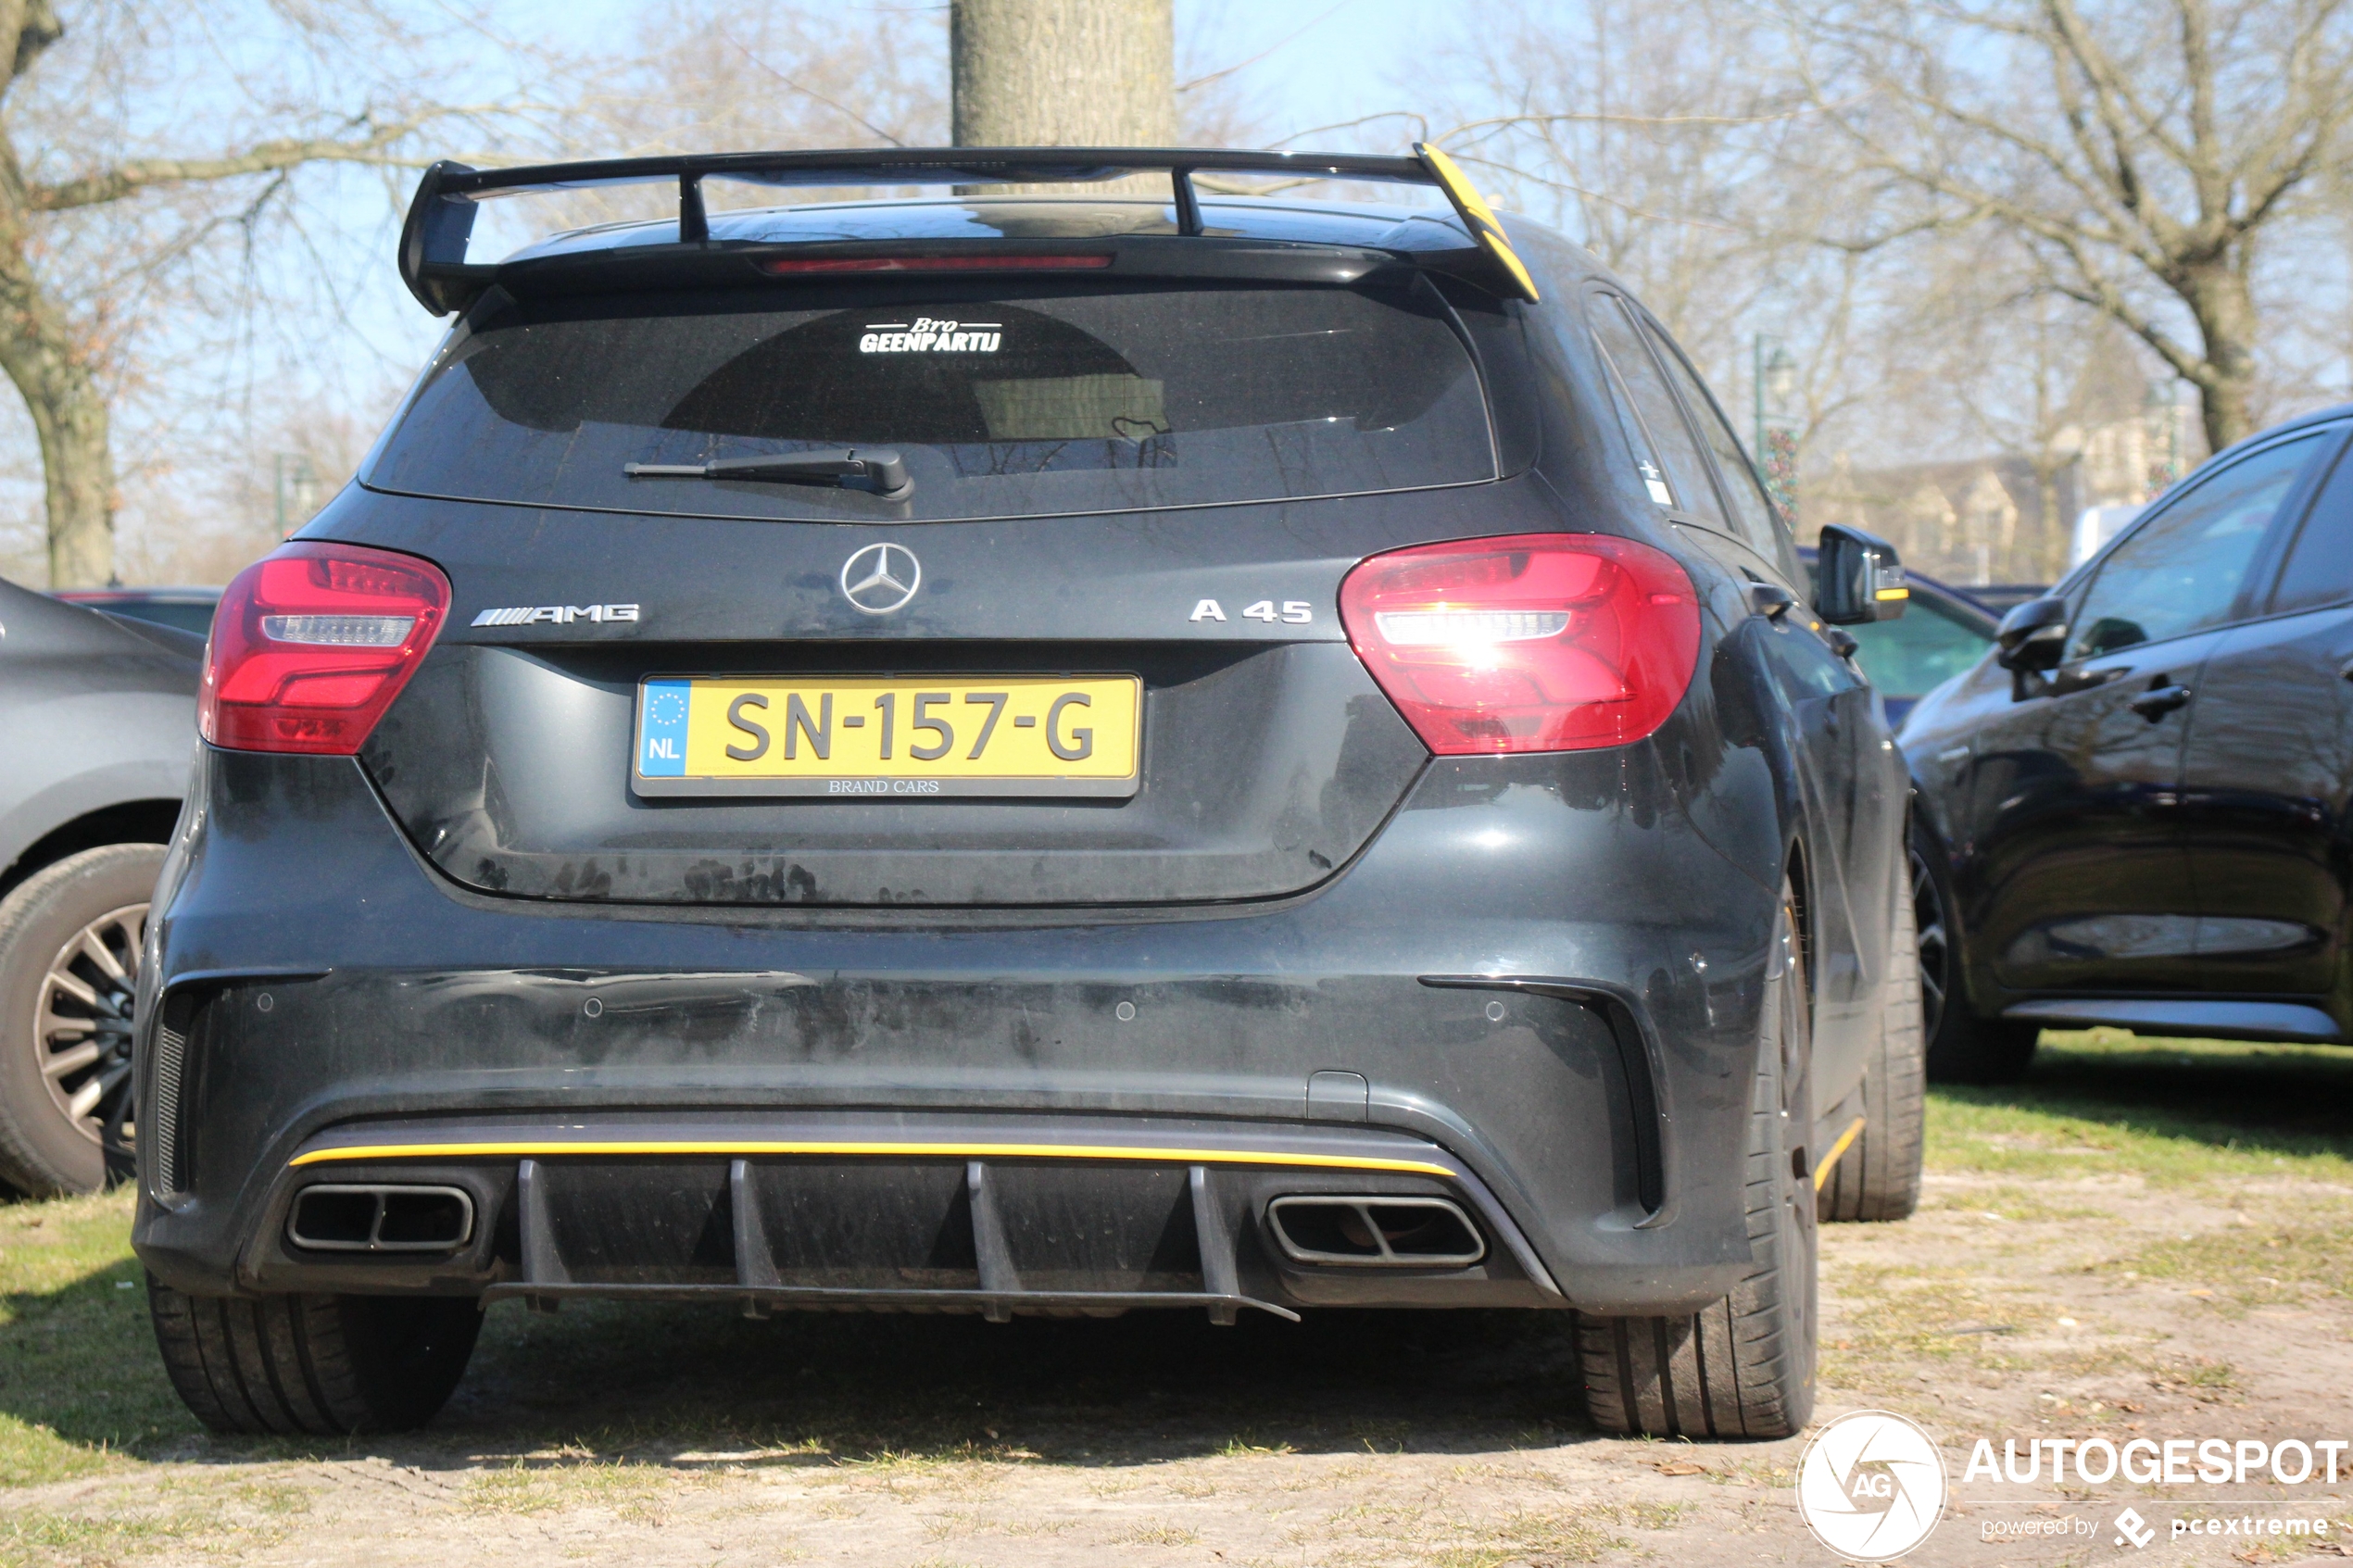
<point x="1002" y="403"/>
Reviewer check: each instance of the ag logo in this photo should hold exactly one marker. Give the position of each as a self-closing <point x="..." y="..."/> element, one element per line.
<point x="1871" y="1485"/>
<point x="880" y="578"/>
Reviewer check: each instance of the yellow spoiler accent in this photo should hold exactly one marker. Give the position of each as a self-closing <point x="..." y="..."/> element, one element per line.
<point x="551" y="1150"/>
<point x="1479" y="217"/>
<point x="1845" y="1141"/>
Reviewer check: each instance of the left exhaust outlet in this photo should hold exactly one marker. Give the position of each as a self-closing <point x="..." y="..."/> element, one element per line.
<point x="380" y="1219"/>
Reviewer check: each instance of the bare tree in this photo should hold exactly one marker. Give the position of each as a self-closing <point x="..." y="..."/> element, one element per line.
<point x="1645" y="130"/>
<point x="767" y="74"/>
<point x="2142" y="153"/>
<point x="67" y="156"/>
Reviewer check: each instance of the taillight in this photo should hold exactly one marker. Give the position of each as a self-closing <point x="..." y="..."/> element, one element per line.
<point x="1534" y="642"/>
<point x="313" y="643"/>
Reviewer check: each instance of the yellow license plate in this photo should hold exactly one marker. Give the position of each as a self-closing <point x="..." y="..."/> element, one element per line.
<point x="901" y="737"/>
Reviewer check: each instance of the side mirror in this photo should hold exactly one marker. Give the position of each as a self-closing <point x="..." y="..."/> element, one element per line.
<point x="2032" y="636"/>
<point x="1858" y="577"/>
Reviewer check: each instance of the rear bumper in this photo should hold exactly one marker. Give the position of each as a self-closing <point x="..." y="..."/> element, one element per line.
<point x="1539" y="978"/>
<point x="994" y="1215"/>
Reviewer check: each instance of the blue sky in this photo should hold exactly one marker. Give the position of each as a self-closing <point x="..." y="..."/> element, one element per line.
<point x="1313" y="61"/>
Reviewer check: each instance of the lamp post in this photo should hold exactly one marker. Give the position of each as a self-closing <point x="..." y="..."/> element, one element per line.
<point x="1772" y="379"/>
<point x="297" y="491"/>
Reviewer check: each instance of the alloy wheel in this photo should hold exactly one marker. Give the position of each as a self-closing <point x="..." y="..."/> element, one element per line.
<point x="81" y="1025"/>
<point x="1935" y="946"/>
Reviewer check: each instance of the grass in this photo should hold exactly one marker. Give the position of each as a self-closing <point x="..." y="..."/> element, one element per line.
<point x="1552" y="1536"/>
<point x="79" y="1382"/>
<point x="2171" y="1112"/>
<point x="171" y="1512"/>
<point x="522" y="1487"/>
<point x="2287" y="1255"/>
<point x="2016" y="1205"/>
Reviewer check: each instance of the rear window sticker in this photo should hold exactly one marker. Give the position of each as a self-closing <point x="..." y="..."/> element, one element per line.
<point x="927" y="335"/>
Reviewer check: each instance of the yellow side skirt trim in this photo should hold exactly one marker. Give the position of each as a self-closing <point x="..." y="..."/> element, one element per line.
<point x="1830" y="1161"/>
<point x="546" y="1149"/>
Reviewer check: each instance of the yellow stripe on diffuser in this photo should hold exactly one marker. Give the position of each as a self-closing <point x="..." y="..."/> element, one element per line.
<point x="554" y="1149"/>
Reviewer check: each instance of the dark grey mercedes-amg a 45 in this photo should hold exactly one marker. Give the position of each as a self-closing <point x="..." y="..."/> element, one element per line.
<point x="1027" y="753"/>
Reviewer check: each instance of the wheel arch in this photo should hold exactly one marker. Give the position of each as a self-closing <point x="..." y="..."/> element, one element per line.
<point x="142" y="820"/>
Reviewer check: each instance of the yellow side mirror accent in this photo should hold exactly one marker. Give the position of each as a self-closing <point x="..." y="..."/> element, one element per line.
<point x="1477" y="216"/>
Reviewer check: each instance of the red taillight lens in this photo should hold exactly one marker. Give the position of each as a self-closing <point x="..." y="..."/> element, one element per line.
<point x="313" y="642"/>
<point x="1535" y="642"/>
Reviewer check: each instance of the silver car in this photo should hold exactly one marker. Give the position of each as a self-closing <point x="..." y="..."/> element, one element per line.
<point x="98" y="726"/>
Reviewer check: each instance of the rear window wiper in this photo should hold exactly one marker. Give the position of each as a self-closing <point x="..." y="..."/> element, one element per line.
<point x="883" y="473"/>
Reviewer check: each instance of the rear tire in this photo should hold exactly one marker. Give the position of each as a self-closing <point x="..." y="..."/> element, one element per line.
<point x="1962" y="1047"/>
<point x="1878" y="1175"/>
<point x="1742" y="1366"/>
<point x="69" y="939"/>
<point x="321" y="1366"/>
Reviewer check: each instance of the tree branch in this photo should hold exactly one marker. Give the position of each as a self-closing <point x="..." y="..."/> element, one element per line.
<point x="37" y="29"/>
<point x="128" y="179"/>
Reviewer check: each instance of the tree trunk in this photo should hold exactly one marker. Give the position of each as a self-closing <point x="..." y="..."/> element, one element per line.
<point x="40" y="355"/>
<point x="69" y="414"/>
<point x="2223" y="306"/>
<point x="1069" y="73"/>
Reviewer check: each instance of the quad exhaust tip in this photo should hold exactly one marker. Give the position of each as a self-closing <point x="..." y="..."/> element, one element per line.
<point x="374" y="1218"/>
<point x="1375" y="1233"/>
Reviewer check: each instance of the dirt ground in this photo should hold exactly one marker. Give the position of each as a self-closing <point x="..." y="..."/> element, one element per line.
<point x="2100" y="1257"/>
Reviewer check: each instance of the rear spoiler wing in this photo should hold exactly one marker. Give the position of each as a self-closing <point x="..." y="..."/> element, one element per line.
<point x="441" y="215"/>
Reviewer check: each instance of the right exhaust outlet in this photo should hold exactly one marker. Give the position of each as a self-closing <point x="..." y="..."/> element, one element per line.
<point x="1374" y="1233"/>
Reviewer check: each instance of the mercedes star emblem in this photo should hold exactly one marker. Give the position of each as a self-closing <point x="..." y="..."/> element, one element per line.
<point x="881" y="578"/>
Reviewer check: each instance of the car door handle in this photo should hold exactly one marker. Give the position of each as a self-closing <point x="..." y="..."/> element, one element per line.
<point x="2157" y="701"/>
<point x="1768" y="599"/>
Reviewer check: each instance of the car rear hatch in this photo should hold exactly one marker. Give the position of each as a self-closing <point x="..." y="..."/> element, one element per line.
<point x="1058" y="626"/>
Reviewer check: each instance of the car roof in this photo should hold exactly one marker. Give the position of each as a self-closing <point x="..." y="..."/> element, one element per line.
<point x="1383" y="225"/>
<point x="2301" y="421"/>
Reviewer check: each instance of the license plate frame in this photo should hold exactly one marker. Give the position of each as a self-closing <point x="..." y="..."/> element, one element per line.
<point x="709" y="699"/>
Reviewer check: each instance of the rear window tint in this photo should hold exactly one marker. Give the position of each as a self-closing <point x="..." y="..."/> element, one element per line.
<point x="1019" y="401"/>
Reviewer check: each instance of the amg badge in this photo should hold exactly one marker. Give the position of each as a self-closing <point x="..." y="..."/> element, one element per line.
<point x="559" y="615"/>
